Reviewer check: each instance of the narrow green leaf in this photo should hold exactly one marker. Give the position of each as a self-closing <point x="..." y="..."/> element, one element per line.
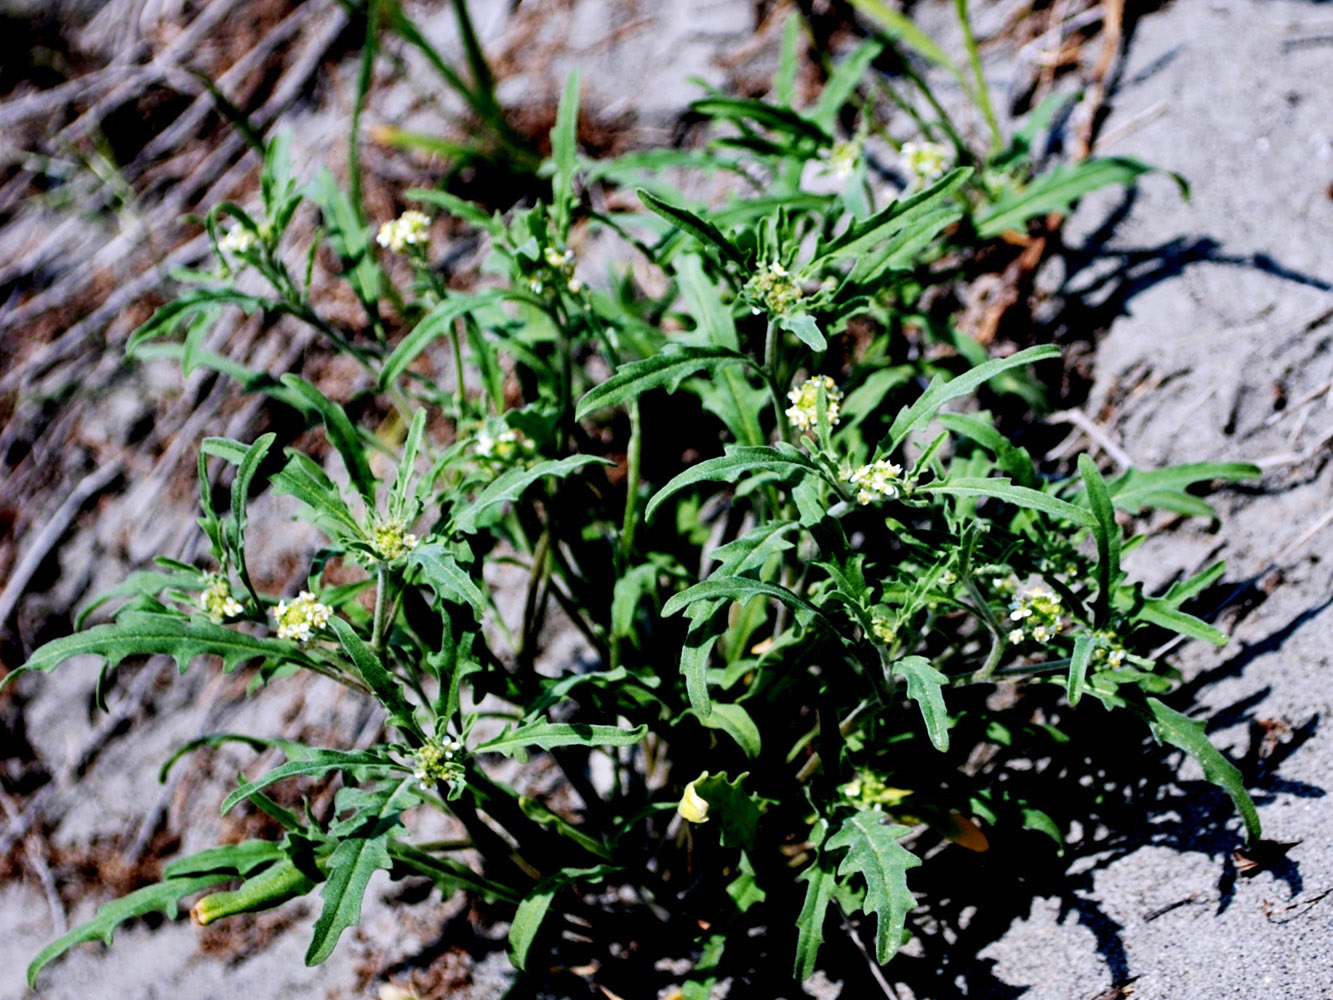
<point x="342" y="435"/>
<point x="739" y="588"/>
<point x="940" y="392"/>
<point x="163" y="896"/>
<point x="1158" y="612"/>
<point x="541" y="735"/>
<point x="317" y="762"/>
<point x="239" y="859"/>
<point x="669" y="369"/>
<point x="1137" y="488"/>
<point x="900" y="27"/>
<point x="1057" y="189"/>
<point x="1084" y="644"/>
<point x="1107" y="534"/>
<point x="1021" y="496"/>
<point x="281" y="881"/>
<point x="925" y="686"/>
<point x="303" y="479"/>
<point x="704" y="301"/>
<point x="388" y="690"/>
<point x="900" y="215"/>
<point x="434" y="325"/>
<point x="810" y="922"/>
<point x="509" y="486"/>
<point x="139" y="632"/>
<point x="737" y="462"/>
<point x="455" y="205"/>
<point x="1184" y="590"/>
<point x="407" y="466"/>
<point x="240" y="489"/>
<point x="1188" y="734"/>
<point x="842" y="83"/>
<point x="735" y="721"/>
<point x="701" y="229"/>
<point x="873" y="852"/>
<point x="564" y="154"/>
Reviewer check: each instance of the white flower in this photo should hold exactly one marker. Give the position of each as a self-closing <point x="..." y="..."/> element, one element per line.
<point x="411" y="229"/>
<point x="436" y="760"/>
<point x="924" y="161"/>
<point x="216" y="599"/>
<point x="301" y="618"/>
<point x="880" y="480"/>
<point x="1016" y="635"/>
<point x="238" y="240"/>
<point x="843" y="159"/>
<point x="804" y="411"/>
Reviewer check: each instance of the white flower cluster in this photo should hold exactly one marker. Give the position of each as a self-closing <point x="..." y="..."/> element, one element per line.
<point x="804" y="410"/>
<point x="560" y="264"/>
<point x="238" y="240"/>
<point x="925" y="161"/>
<point x="504" y="447"/>
<point x="883" y="630"/>
<point x="882" y="480"/>
<point x="411" y="230"/>
<point x="437" y="760"/>
<point x="1037" y="615"/>
<point x="775" y="288"/>
<point x="1111" y="653"/>
<point x="216" y="599"/>
<point x="300" y="619"/>
<point x="391" y="539"/>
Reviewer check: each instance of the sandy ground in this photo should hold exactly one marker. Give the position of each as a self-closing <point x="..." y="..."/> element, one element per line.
<point x="1216" y="319"/>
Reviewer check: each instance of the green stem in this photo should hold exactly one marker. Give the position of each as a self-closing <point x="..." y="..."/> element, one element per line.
<point x="381" y="607"/>
<point x="982" y="94"/>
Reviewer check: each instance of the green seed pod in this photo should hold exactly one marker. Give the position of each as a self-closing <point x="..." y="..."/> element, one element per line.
<point x="276" y="884"/>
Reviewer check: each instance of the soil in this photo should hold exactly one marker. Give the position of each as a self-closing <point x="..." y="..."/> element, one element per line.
<point x="1194" y="331"/>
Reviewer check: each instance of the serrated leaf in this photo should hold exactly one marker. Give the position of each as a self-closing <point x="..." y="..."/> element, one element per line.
<point x="1020" y="496"/>
<point x="316" y="762"/>
<point x="1158" y="612"/>
<point x="873" y="852"/>
<point x="901" y="215"/>
<point x="940" y="392"/>
<point x="1014" y="461"/>
<point x="541" y="735"/>
<point x="739" y="588"/>
<point x="303" y="479"/>
<point x="144" y="583"/>
<point x="509" y="486"/>
<point x="669" y="369"/>
<point x="350" y="868"/>
<point x="163" y="896"/>
<point x="925" y="686"/>
<point x="1188" y="734"/>
<point x="240" y="859"/>
<point x="701" y="229"/>
<point x="441" y="572"/>
<point x="810" y="921"/>
<point x="1137" y="488"/>
<point x="739" y="460"/>
<point x="1057" y="189"/>
<point x="140" y="632"/>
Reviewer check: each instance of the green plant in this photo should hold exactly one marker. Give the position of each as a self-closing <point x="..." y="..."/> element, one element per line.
<point x="797" y="634"/>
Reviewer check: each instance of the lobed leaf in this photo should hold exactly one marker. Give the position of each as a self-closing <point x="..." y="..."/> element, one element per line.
<point x="509" y="486"/>
<point x="740" y="460"/>
<point x="925" y="686"/>
<point x="542" y="735"/>
<point x="1188" y="734"/>
<point x="873" y="852"/>
<point x="163" y="896"/>
<point x="316" y="762"/>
